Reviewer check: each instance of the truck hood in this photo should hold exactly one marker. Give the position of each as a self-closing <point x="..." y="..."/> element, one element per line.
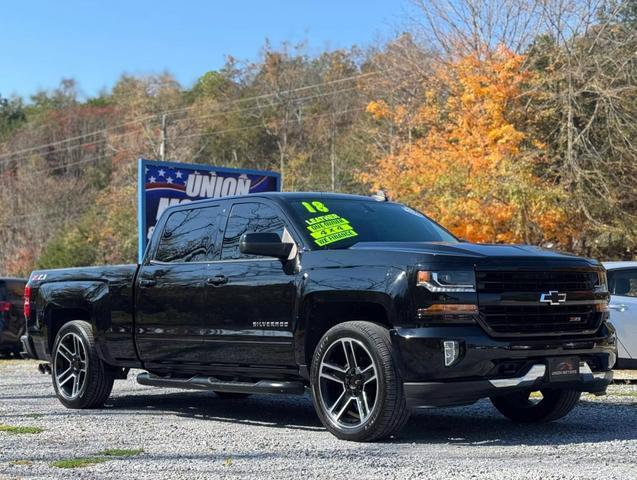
<point x="474" y="251"/>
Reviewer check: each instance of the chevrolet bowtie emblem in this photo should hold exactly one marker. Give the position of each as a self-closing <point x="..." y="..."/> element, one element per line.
<point x="553" y="297"/>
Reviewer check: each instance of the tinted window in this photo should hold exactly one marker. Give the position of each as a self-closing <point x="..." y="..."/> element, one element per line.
<point x="340" y="223"/>
<point x="248" y="218"/>
<point x="189" y="236"/>
<point x="3" y="291"/>
<point x="623" y="282"/>
<point x="15" y="289"/>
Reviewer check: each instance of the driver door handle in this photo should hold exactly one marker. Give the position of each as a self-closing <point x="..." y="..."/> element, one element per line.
<point x="217" y="280"/>
<point x="147" y="282"/>
<point x="618" y="307"/>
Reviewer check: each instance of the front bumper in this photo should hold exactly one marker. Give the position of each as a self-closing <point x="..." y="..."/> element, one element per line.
<point x="438" y="394"/>
<point x="487" y="366"/>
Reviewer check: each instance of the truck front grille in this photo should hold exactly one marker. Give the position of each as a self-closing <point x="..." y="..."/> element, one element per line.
<point x="535" y="281"/>
<point x="540" y="319"/>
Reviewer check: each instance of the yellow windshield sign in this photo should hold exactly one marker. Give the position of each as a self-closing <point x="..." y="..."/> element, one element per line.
<point x="329" y="228"/>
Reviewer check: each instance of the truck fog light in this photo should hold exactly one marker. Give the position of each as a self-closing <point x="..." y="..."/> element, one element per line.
<point x="452" y="351"/>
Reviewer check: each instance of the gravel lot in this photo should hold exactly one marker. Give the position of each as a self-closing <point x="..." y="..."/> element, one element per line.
<point x="198" y="435"/>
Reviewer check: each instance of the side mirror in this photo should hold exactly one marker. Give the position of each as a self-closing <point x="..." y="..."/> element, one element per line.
<point x="265" y="244"/>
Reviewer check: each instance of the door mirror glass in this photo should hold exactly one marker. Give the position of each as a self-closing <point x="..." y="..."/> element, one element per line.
<point x="266" y="244"/>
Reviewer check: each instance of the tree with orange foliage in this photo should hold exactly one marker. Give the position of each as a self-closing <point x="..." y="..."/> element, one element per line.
<point x="467" y="164"/>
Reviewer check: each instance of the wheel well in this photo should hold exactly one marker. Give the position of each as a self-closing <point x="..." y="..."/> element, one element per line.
<point x="60" y="316"/>
<point x="323" y="316"/>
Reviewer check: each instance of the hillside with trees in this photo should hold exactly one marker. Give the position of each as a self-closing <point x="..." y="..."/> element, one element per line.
<point x="505" y="121"/>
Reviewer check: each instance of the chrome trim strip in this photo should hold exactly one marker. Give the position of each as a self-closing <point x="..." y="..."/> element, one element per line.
<point x="534" y="374"/>
<point x="589" y="375"/>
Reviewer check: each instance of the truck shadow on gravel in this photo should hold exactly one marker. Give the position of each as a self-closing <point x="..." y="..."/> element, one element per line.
<point x="279" y="411"/>
<point x="476" y="424"/>
<point x="591" y="422"/>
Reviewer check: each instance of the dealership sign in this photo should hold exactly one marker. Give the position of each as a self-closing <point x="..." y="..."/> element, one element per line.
<point x="162" y="184"/>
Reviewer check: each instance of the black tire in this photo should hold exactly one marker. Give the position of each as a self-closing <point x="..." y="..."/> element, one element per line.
<point x="555" y="404"/>
<point x="98" y="378"/>
<point x="389" y="411"/>
<point x="232" y="395"/>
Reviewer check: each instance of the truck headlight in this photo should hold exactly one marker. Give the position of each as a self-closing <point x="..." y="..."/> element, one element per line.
<point x="447" y="280"/>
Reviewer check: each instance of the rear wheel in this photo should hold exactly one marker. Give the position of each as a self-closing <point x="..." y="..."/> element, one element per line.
<point x="80" y="378"/>
<point x="356" y="387"/>
<point x="536" y="407"/>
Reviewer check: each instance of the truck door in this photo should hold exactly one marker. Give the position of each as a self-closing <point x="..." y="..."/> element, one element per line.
<point x="171" y="288"/>
<point x="623" y="309"/>
<point x="250" y="299"/>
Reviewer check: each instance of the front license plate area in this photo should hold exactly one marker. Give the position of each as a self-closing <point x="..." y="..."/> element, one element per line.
<point x="563" y="369"/>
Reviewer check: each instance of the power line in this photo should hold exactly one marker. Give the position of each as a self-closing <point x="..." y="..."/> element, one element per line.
<point x="95" y="158"/>
<point x="168" y="112"/>
<point x="179" y="121"/>
<point x="9" y="220"/>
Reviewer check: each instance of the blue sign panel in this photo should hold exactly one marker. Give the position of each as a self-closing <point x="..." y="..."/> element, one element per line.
<point x="162" y="184"/>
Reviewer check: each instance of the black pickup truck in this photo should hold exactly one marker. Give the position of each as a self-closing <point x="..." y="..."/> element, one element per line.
<point x="371" y="305"/>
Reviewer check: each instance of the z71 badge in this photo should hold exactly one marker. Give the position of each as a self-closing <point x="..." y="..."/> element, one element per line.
<point x="271" y="324"/>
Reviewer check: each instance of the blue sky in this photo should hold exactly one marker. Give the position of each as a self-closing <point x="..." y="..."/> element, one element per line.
<point x="95" y="41"/>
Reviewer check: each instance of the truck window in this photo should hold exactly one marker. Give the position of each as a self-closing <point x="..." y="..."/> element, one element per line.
<point x="189" y="236"/>
<point x="248" y="218"/>
<point x="623" y="282"/>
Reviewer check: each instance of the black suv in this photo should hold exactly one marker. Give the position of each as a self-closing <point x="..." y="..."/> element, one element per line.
<point x="12" y="323"/>
<point x="371" y="305"/>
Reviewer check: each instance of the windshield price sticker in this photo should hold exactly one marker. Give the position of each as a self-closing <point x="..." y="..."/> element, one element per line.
<point x="334" y="221"/>
<point x="335" y="237"/>
<point x="329" y="228"/>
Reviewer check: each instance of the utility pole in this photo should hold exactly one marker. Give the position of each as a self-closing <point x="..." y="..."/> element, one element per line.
<point x="162" y="146"/>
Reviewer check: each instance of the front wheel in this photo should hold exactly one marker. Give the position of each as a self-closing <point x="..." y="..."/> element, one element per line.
<point x="356" y="387"/>
<point x="80" y="378"/>
<point x="536" y="407"/>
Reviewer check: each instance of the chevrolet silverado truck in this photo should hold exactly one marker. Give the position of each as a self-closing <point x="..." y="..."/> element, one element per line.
<point x="369" y="305"/>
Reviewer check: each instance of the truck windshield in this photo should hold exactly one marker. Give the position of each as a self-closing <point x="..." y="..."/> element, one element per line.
<point x="340" y="223"/>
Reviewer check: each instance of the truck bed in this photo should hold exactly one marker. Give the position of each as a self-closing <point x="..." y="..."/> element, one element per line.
<point x="105" y="294"/>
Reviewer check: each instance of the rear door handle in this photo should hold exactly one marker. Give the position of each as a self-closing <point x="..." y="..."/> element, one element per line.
<point x="147" y="282"/>
<point x="217" y="280"/>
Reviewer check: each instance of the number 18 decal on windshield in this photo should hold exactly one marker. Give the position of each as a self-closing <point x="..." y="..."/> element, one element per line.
<point x="328" y="228"/>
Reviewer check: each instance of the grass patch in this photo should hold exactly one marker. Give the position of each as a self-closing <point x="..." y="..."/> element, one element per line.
<point x="120" y="452"/>
<point x="20" y="430"/>
<point x="623" y="394"/>
<point x="35" y="416"/>
<point x="21" y="462"/>
<point x="79" y="462"/>
<point x="101" y="457"/>
<point x="7" y="362"/>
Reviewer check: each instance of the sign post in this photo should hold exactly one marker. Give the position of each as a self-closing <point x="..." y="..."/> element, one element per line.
<point x="162" y="184"/>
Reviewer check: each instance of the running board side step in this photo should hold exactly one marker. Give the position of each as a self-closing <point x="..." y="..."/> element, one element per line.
<point x="216" y="385"/>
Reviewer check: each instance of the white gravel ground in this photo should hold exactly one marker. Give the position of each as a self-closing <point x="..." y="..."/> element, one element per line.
<point x="188" y="434"/>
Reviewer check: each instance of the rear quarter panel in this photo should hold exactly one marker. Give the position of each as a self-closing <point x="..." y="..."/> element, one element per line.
<point x="105" y="294"/>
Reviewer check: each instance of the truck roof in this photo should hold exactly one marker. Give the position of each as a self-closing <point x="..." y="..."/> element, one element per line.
<point x="301" y="195"/>
<point x="280" y="197"/>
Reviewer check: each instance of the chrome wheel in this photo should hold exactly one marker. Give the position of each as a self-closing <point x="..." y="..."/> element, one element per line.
<point x="70" y="366"/>
<point x="348" y="383"/>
